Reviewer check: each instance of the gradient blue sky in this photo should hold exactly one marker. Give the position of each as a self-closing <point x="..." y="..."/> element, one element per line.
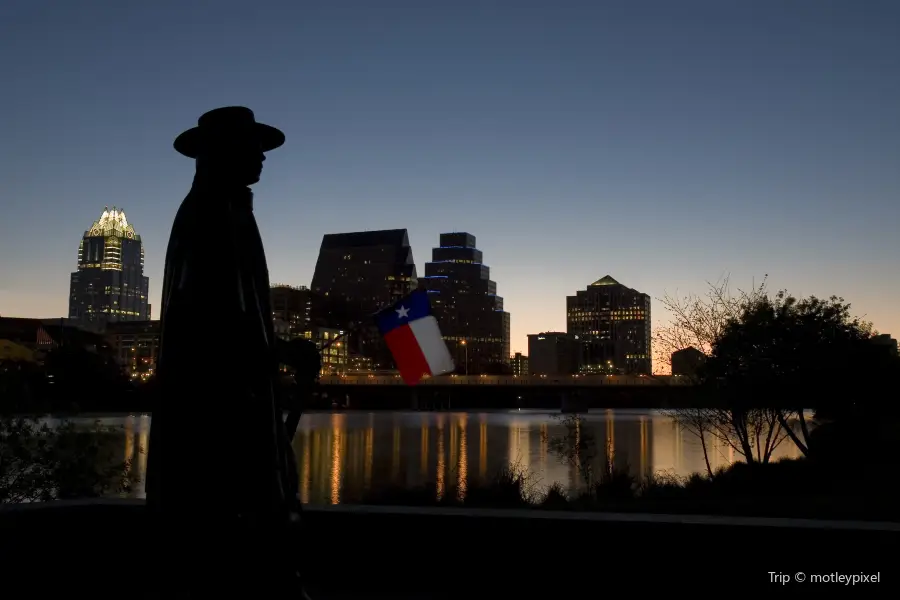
<point x="665" y="143"/>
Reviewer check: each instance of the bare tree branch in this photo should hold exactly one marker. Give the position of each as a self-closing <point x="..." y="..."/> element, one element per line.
<point x="698" y="320"/>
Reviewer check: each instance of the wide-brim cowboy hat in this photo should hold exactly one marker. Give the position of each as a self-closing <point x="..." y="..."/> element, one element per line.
<point x="228" y="122"/>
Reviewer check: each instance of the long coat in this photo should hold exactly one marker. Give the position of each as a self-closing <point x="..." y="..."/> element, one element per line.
<point x="217" y="429"/>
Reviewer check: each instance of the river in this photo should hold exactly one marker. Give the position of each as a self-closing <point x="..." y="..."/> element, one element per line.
<point x="341" y="455"/>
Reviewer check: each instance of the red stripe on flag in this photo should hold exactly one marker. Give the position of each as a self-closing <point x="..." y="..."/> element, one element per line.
<point x="408" y="355"/>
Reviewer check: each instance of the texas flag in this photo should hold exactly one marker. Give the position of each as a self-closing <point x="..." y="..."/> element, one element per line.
<point x="414" y="338"/>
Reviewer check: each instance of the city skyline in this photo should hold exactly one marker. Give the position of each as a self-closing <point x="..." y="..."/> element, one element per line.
<point x="664" y="145"/>
<point x="116" y="219"/>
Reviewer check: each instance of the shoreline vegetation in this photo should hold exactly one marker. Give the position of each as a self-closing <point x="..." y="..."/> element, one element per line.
<point x="779" y="489"/>
<point x="826" y="484"/>
<point x="41" y="463"/>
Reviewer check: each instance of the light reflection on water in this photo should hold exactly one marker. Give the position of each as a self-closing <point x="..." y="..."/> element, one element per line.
<point x="341" y="455"/>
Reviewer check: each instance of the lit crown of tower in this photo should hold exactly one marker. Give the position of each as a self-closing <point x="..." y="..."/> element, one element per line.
<point x="113" y="223"/>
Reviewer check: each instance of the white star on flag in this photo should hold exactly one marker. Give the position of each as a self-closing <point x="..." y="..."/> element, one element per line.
<point x="414" y="338"/>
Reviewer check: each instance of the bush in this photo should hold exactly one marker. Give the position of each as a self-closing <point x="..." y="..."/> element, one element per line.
<point x="509" y="488"/>
<point x="39" y="463"/>
<point x="799" y="488"/>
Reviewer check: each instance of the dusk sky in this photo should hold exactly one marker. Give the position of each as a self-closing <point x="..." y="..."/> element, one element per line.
<point x="664" y="143"/>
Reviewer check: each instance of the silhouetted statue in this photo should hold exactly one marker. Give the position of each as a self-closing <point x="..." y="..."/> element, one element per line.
<point x="221" y="481"/>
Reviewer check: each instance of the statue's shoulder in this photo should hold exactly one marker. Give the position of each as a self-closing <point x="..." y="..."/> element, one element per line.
<point x="199" y="216"/>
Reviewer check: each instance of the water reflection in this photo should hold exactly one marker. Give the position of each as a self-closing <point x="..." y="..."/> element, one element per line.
<point x="423" y="451"/>
<point x="338" y="444"/>
<point x="305" y="458"/>
<point x="135" y="444"/>
<point x="340" y="456"/>
<point x="462" y="468"/>
<point x="642" y="442"/>
<point x="440" y="457"/>
<point x="482" y="447"/>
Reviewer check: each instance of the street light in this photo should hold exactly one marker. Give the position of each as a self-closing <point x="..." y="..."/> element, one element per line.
<point x="466" y="346"/>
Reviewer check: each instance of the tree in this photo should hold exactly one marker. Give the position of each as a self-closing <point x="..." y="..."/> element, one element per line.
<point x="697" y="422"/>
<point x="698" y="320"/>
<point x="794" y="352"/>
<point x="577" y="447"/>
<point x="753" y="433"/>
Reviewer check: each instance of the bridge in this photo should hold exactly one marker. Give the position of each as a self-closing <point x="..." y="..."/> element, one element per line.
<point x="388" y="391"/>
<point x="510" y="380"/>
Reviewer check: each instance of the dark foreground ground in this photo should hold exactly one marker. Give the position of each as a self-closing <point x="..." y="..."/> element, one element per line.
<point x="395" y="552"/>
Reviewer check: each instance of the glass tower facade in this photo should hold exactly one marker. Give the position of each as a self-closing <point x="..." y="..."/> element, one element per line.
<point x="109" y="285"/>
<point x="466" y="304"/>
<point x="357" y="274"/>
<point x="613" y="323"/>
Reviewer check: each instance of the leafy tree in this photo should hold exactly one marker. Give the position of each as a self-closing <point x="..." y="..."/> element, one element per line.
<point x="768" y="358"/>
<point x="790" y="342"/>
<point x="806" y="353"/>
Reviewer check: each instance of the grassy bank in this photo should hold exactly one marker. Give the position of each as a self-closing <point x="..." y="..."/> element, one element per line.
<point x="796" y="488"/>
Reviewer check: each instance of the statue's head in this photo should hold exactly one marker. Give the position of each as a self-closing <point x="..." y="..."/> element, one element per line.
<point x="229" y="145"/>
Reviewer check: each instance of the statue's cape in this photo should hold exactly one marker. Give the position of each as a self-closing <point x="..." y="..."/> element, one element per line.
<point x="217" y="366"/>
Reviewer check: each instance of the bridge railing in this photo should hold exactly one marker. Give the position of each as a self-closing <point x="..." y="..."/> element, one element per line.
<point x="510" y="380"/>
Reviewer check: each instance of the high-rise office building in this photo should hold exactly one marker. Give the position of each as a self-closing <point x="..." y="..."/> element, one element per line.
<point x="613" y="322"/>
<point x="109" y="285"/>
<point x="358" y="274"/>
<point x="292" y="305"/>
<point x="466" y="304"/>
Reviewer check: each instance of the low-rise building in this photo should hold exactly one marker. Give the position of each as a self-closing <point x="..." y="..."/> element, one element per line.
<point x="553" y="353"/>
<point x="136" y="346"/>
<point x="519" y="364"/>
<point x="687" y="361"/>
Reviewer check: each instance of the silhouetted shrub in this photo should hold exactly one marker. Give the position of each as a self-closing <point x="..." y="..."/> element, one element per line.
<point x="787" y="488"/>
<point x="40" y="462"/>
